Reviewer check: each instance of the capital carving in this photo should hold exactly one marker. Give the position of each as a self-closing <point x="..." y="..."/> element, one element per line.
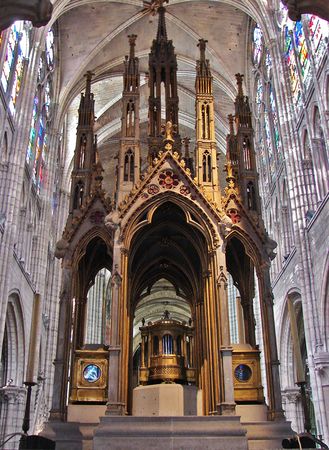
<point x="13" y="394"/>
<point x="290" y="395"/>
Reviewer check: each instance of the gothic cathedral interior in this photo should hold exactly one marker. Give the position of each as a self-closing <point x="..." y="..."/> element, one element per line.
<point x="173" y="272"/>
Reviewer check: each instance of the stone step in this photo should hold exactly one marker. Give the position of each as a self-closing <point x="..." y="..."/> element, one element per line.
<point x="170" y="433"/>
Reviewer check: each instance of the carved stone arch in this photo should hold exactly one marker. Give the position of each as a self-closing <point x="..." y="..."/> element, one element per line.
<point x="285" y="349"/>
<point x="80" y="248"/>
<point x="92" y="253"/>
<point x="249" y="245"/>
<point x="186" y="261"/>
<point x="306" y="145"/>
<point x="317" y="129"/>
<point x="192" y="211"/>
<point x="15" y="337"/>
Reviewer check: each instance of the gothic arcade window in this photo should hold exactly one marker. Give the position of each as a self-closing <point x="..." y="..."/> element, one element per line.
<point x="205" y="113"/>
<point x="206" y="167"/>
<point x="304" y="45"/>
<point x="129" y="163"/>
<point x="268" y="136"/>
<point x="15" y="42"/>
<point x="78" y="195"/>
<point x="98" y="308"/>
<point x="130" y="118"/>
<point x="38" y="148"/>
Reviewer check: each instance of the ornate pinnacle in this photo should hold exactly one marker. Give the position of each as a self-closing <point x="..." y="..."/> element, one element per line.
<point x="202" y="45"/>
<point x="88" y="76"/>
<point x="231" y="121"/>
<point x="162" y="30"/>
<point x="132" y="43"/>
<point x="239" y="80"/>
<point x="186" y="142"/>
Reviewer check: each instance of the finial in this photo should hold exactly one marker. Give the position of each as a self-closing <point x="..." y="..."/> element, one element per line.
<point x="231" y="123"/>
<point x="239" y="80"/>
<point x="202" y="45"/>
<point x="88" y="76"/>
<point x="186" y="142"/>
<point x="162" y="31"/>
<point x="132" y="43"/>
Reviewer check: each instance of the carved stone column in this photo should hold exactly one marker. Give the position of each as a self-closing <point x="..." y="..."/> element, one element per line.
<point x="270" y="347"/>
<point x="321" y="167"/>
<point x="12" y="399"/>
<point x="292" y="406"/>
<point x="115" y="406"/>
<point x="58" y="410"/>
<point x="321" y="367"/>
<point x="227" y="404"/>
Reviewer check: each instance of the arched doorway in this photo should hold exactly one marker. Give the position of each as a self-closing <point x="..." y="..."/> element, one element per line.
<point x="171" y="239"/>
<point x="168" y="259"/>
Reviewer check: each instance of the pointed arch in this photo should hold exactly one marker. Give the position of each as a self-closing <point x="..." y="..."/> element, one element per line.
<point x="15" y="340"/>
<point x="194" y="216"/>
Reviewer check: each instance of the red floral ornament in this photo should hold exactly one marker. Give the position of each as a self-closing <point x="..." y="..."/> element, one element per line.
<point x="153" y="189"/>
<point x="234" y="215"/>
<point x="168" y="179"/>
<point x="185" y="190"/>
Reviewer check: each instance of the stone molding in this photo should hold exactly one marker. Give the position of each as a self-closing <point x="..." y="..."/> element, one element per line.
<point x="298" y="7"/>
<point x="37" y="11"/>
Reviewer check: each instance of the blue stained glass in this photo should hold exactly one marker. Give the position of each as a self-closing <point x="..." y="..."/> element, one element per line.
<point x="292" y="67"/>
<point x="30" y="149"/>
<point x="12" y="71"/>
<point x="302" y="52"/>
<point x="37" y="151"/>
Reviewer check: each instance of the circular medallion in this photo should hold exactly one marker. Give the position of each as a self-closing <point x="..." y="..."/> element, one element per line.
<point x="153" y="189"/>
<point x="185" y="190"/>
<point x="242" y="372"/>
<point x="91" y="373"/>
<point x="168" y="179"/>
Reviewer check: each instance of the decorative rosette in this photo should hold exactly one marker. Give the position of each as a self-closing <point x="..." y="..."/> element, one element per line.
<point x="153" y="189"/>
<point x="185" y="190"/>
<point x="168" y="179"/>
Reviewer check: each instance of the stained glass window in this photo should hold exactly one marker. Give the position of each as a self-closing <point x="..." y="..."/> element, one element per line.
<point x="37" y="152"/>
<point x="31" y="146"/>
<point x="275" y="122"/>
<point x="268" y="141"/>
<point x="302" y="53"/>
<point x="16" y="51"/>
<point x="319" y="33"/>
<point x="292" y="67"/>
<point x="260" y="147"/>
<point x="268" y="64"/>
<point x="259" y="95"/>
<point x="257" y="44"/>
